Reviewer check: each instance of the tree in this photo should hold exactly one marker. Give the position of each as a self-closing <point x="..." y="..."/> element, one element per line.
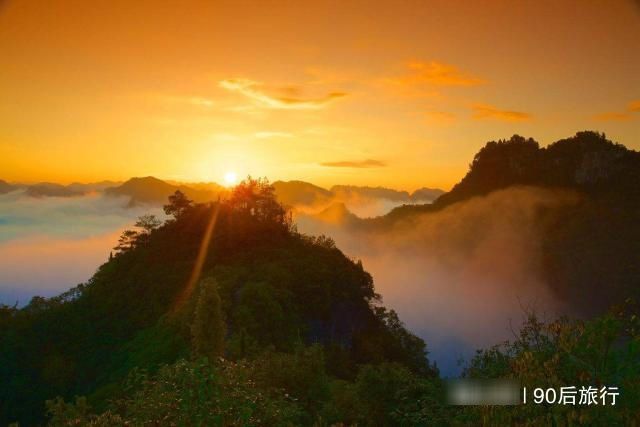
<point x="256" y="197"/>
<point x="127" y="241"/>
<point x="208" y="329"/>
<point x="148" y="223"/>
<point x="178" y="203"/>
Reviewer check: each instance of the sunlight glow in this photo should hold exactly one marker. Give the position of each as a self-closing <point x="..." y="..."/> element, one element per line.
<point x="230" y="178"/>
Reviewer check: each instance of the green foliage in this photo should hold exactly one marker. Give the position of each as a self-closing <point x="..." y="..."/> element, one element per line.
<point x="603" y="351"/>
<point x="391" y="395"/>
<point x="261" y="316"/>
<point x="273" y="389"/>
<point x="278" y="291"/>
<point x="301" y="374"/>
<point x="209" y="329"/>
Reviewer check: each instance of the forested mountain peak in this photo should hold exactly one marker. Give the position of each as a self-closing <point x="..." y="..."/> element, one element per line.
<point x="278" y="290"/>
<point x="587" y="161"/>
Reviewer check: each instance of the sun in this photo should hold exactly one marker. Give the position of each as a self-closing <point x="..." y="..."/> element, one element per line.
<point x="230" y="178"/>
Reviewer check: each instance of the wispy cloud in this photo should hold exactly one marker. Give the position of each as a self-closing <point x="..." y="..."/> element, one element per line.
<point x="272" y="134"/>
<point x="287" y="98"/>
<point x="486" y="111"/>
<point x="197" y="101"/>
<point x="440" y="117"/>
<point x="369" y="163"/>
<point x="620" y="116"/>
<point x="436" y="74"/>
<point x="612" y="116"/>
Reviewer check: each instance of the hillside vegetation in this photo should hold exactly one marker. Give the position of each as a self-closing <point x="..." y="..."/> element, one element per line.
<point x="283" y="298"/>
<point x="591" y="248"/>
<point x="225" y="314"/>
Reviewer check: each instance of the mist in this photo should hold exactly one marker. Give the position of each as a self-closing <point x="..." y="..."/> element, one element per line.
<point x="461" y="278"/>
<point x="50" y="244"/>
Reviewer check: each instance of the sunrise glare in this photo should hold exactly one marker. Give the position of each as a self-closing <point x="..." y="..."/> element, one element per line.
<point x="230" y="178"/>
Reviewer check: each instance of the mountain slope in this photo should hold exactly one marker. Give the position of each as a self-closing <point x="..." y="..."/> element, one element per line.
<point x="279" y="290"/>
<point x="590" y="249"/>
<point x="586" y="162"/>
<point x="292" y="193"/>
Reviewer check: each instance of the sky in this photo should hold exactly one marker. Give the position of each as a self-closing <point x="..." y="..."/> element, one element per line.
<point x="399" y="93"/>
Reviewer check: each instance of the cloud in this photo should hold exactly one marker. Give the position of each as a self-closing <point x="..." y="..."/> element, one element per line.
<point x="196" y="101"/>
<point x="458" y="276"/>
<point x="612" y="116"/>
<point x="272" y="134"/>
<point x="437" y="74"/>
<point x="50" y="244"/>
<point x="440" y="117"/>
<point x="288" y="99"/>
<point x="486" y="111"/>
<point x="369" y="163"/>
<point x="620" y="116"/>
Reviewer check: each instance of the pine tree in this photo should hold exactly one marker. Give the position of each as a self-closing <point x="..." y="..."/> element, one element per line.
<point x="208" y="329"/>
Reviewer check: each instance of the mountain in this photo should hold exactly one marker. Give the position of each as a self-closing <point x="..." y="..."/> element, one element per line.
<point x="280" y="301"/>
<point x="226" y="315"/>
<point x="366" y="201"/>
<point x="345" y="192"/>
<point x="293" y="193"/>
<point x="5" y="187"/>
<point x="587" y="162"/>
<point x="153" y="191"/>
<point x="426" y="194"/>
<point x="590" y="248"/>
<point x="48" y="189"/>
<point x="336" y="214"/>
<point x="92" y="186"/>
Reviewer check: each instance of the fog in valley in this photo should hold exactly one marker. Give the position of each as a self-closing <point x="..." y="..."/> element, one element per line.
<point x="461" y="278"/>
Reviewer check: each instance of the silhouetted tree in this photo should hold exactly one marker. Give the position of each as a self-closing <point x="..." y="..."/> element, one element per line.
<point x="148" y="223"/>
<point x="127" y="241"/>
<point x="178" y="203"/>
<point x="256" y="197"/>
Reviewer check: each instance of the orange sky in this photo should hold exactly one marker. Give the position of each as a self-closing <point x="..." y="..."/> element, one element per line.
<point x="395" y="93"/>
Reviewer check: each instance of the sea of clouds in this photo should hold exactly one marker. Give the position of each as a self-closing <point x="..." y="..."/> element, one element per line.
<point x="50" y="244"/>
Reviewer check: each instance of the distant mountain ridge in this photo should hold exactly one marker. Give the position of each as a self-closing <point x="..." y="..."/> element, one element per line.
<point x="50" y="189"/>
<point x="151" y="190"/>
<point x="5" y="187"/>
<point x="294" y="193"/>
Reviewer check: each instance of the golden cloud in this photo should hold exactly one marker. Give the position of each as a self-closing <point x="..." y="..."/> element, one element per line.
<point x="291" y="101"/>
<point x="486" y="111"/>
<point x="634" y="106"/>
<point x="437" y="74"/>
<point x="619" y="116"/>
<point x="612" y="116"/>
<point x="369" y="163"/>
